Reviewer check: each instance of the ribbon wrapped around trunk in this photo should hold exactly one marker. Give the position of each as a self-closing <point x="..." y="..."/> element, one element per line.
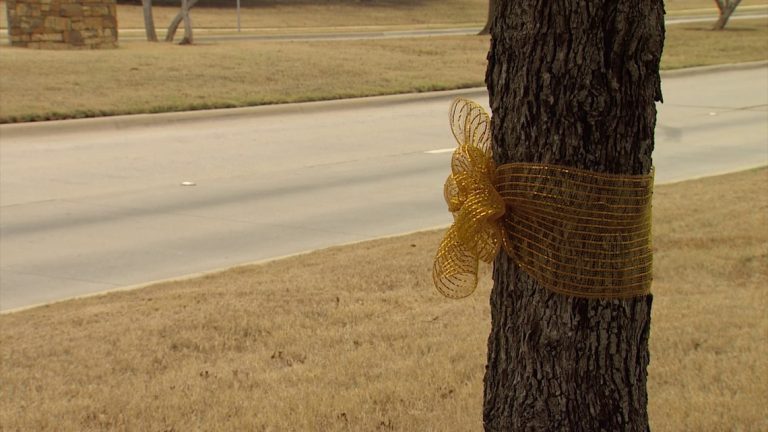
<point x="577" y="232"/>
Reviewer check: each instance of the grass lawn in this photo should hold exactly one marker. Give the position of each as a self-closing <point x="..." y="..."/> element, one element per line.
<point x="689" y="45"/>
<point x="291" y="15"/>
<point x="141" y="77"/>
<point x="356" y="338"/>
<point x="332" y="14"/>
<point x="315" y="14"/>
<point x="358" y="14"/>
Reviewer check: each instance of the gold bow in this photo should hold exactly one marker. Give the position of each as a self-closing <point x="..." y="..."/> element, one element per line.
<point x="470" y="192"/>
<point x="577" y="232"/>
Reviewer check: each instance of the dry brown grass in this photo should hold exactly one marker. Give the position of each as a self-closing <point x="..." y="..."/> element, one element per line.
<point x="708" y="368"/>
<point x="355" y="14"/>
<point x="299" y="15"/>
<point x="291" y="16"/>
<point x="696" y="45"/>
<point x="141" y="77"/>
<point x="355" y="338"/>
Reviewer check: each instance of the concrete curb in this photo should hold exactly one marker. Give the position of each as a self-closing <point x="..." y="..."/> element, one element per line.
<point x="197" y="275"/>
<point x="702" y="70"/>
<point x="117" y="123"/>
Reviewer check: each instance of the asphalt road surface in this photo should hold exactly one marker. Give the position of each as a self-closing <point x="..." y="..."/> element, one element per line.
<point x="88" y="206"/>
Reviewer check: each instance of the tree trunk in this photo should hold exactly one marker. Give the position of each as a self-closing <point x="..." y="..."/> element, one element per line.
<point x="726" y="8"/>
<point x="173" y="27"/>
<point x="188" y="39"/>
<point x="487" y="29"/>
<point x="183" y="15"/>
<point x="149" y="21"/>
<point x="571" y="82"/>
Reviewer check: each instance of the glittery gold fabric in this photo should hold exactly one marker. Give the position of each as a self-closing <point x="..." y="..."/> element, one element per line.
<point x="577" y="232"/>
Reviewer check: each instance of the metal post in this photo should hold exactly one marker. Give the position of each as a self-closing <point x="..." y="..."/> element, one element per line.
<point x="238" y="16"/>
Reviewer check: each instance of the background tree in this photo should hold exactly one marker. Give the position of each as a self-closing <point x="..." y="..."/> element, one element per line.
<point x="183" y="15"/>
<point x="571" y="82"/>
<point x="149" y="21"/>
<point x="726" y="8"/>
<point x="487" y="29"/>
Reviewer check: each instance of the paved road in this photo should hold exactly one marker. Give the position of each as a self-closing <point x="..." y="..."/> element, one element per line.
<point x="83" y="211"/>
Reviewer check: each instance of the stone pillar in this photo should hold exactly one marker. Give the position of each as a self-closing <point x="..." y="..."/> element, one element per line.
<point x="62" y="24"/>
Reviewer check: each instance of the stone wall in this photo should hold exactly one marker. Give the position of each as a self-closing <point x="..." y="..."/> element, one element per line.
<point x="62" y="24"/>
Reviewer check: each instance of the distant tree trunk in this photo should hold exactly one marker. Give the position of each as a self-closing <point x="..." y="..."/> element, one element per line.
<point x="183" y="15"/>
<point x="188" y="38"/>
<point x="571" y="82"/>
<point x="149" y="21"/>
<point x="726" y="8"/>
<point x="487" y="29"/>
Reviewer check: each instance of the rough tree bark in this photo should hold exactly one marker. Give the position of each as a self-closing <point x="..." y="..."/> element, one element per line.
<point x="183" y="15"/>
<point x="726" y="8"/>
<point x="571" y="82"/>
<point x="149" y="21"/>
<point x="487" y="29"/>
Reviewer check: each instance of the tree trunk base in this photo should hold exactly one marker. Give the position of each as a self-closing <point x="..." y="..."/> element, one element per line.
<point x="567" y="364"/>
<point x="726" y="8"/>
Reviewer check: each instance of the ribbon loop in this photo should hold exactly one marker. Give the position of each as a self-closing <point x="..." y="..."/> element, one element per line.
<point x="472" y="198"/>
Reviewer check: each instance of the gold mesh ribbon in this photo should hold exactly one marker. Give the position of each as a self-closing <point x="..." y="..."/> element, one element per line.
<point x="576" y="232"/>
